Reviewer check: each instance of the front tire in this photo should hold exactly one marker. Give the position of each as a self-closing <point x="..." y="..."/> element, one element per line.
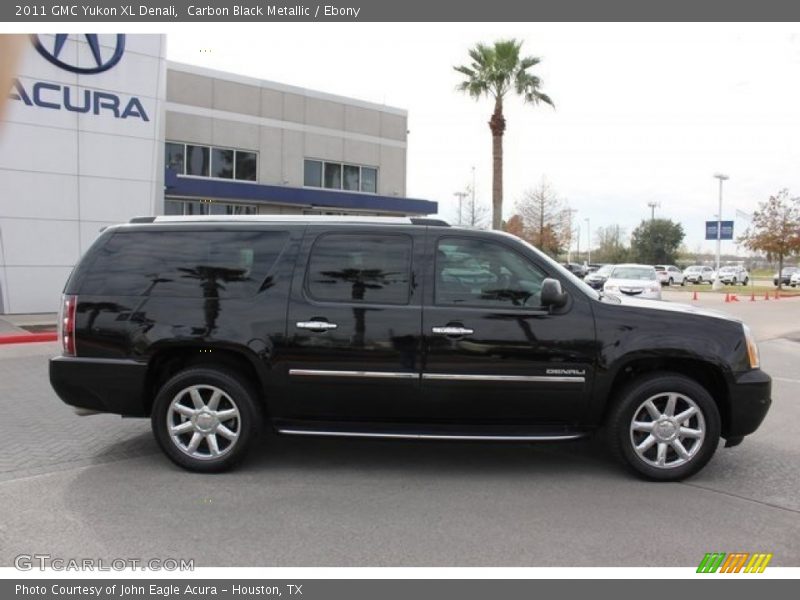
<point x="204" y="419"/>
<point x="664" y="426"/>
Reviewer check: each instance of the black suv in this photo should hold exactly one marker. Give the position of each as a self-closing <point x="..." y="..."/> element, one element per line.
<point x="389" y="328"/>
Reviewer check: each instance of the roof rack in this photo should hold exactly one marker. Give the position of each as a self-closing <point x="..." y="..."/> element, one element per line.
<point x="423" y="221"/>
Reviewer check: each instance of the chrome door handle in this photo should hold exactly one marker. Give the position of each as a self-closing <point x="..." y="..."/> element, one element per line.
<point x="316" y="325"/>
<point x="449" y="330"/>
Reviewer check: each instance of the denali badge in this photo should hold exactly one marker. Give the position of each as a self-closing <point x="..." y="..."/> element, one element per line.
<point x="566" y="371"/>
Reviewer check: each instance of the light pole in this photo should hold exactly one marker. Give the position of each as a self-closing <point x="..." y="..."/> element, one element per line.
<point x="717" y="283"/>
<point x="589" y="241"/>
<point x="460" y="196"/>
<point x="653" y="206"/>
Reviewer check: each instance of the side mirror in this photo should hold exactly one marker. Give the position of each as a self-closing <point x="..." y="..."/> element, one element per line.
<point x="552" y="296"/>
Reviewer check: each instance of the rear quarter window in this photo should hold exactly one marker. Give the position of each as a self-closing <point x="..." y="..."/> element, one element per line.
<point x="184" y="264"/>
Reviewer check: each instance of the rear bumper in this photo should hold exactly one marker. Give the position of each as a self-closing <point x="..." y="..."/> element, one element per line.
<point x="750" y="401"/>
<point x="100" y="384"/>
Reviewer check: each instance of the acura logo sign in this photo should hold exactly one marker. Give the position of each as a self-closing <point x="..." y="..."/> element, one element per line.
<point x="103" y="58"/>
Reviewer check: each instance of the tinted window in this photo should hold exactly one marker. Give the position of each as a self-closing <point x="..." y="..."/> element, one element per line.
<point x="222" y="163"/>
<point x="312" y="174"/>
<point x="351" y="178"/>
<point x="173" y="156"/>
<point x="246" y="165"/>
<point x="333" y="176"/>
<point x="479" y="273"/>
<point x="360" y="268"/>
<point x="189" y="264"/>
<point x="197" y="160"/>
<point x="369" y="180"/>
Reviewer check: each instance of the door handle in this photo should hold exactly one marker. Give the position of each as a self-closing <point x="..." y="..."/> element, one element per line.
<point x="452" y="330"/>
<point x="316" y="325"/>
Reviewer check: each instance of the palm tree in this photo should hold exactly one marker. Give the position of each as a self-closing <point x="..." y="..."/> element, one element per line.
<point x="495" y="71"/>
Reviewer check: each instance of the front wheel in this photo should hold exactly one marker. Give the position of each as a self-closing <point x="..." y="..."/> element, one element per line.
<point x="204" y="419"/>
<point x="670" y="282"/>
<point x="664" y="426"/>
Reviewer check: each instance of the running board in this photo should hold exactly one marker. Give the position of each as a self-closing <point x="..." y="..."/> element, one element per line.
<point x="489" y="437"/>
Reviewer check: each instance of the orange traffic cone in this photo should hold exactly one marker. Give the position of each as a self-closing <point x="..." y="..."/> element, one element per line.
<point x="766" y="295"/>
<point x="727" y="297"/>
<point x="734" y="298"/>
<point x="752" y="296"/>
<point x="694" y="296"/>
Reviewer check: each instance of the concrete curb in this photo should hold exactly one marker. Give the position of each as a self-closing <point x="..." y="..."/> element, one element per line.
<point x="25" y="338"/>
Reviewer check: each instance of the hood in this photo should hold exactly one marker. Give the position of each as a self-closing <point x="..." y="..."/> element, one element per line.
<point x="676" y="307"/>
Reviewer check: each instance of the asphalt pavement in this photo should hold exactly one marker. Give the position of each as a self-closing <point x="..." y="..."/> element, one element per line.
<point x="98" y="487"/>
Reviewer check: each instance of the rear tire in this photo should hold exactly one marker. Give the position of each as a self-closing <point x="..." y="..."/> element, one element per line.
<point x="204" y="419"/>
<point x="644" y="433"/>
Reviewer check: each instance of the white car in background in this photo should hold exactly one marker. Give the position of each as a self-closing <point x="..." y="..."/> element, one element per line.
<point x="733" y="275"/>
<point x="794" y="280"/>
<point x="669" y="275"/>
<point x="637" y="281"/>
<point x="699" y="274"/>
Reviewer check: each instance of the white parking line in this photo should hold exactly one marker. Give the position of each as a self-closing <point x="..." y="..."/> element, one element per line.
<point x="786" y="379"/>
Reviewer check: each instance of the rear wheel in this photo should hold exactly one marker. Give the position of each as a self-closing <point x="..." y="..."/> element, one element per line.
<point x="664" y="426"/>
<point x="205" y="418"/>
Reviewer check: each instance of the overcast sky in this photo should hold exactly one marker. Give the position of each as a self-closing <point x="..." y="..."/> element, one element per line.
<point x="644" y="113"/>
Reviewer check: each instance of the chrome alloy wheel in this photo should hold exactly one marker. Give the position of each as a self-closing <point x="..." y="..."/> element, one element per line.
<point x="203" y="422"/>
<point x="667" y="430"/>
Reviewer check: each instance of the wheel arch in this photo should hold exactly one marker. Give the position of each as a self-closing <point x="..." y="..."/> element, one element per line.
<point x="710" y="376"/>
<point x="169" y="360"/>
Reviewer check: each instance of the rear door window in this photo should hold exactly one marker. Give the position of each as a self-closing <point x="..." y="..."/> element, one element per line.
<point x="356" y="268"/>
<point x="187" y="264"/>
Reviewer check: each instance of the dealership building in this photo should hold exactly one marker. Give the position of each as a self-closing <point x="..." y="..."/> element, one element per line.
<point x="100" y="128"/>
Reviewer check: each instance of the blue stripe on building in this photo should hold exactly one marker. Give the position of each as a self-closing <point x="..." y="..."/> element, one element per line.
<point x="190" y="187"/>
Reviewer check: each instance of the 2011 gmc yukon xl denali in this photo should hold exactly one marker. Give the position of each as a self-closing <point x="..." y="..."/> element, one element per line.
<point x="394" y="328"/>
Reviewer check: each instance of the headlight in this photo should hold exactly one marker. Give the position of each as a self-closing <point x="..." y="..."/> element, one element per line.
<point x="752" y="348"/>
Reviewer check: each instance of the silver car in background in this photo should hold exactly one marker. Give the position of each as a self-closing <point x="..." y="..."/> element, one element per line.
<point x="733" y="275"/>
<point x="639" y="281"/>
<point x="699" y="274"/>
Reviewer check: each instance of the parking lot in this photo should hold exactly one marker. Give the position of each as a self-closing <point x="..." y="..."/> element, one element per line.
<point x="98" y="487"/>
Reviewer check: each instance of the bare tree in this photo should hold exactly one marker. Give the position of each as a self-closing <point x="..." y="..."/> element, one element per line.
<point x="545" y="218"/>
<point x="610" y="246"/>
<point x="474" y="214"/>
<point x="775" y="228"/>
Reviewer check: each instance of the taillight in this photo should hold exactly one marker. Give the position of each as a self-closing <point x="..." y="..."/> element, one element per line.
<point x="66" y="324"/>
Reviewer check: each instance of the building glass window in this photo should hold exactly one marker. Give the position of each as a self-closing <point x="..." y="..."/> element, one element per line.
<point x="222" y="163"/>
<point x="369" y="180"/>
<point x="333" y="176"/>
<point x="351" y="178"/>
<point x="173" y="157"/>
<point x="340" y="176"/>
<point x="210" y="161"/>
<point x="312" y="173"/>
<point x="207" y="207"/>
<point x="245" y="165"/>
<point x="197" y="160"/>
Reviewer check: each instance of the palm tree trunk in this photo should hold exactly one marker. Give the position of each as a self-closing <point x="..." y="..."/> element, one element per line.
<point x="498" y="126"/>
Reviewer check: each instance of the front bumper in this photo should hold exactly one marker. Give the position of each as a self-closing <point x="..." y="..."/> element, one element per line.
<point x="100" y="384"/>
<point x="750" y="401"/>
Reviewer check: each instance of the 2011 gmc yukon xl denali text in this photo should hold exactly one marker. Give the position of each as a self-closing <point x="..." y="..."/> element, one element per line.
<point x="389" y="327"/>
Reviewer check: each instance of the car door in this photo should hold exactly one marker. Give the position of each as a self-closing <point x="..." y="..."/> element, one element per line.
<point x="354" y="325"/>
<point x="493" y="354"/>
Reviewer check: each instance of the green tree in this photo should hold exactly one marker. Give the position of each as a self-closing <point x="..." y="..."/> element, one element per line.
<point x="775" y="228"/>
<point x="656" y="241"/>
<point x="494" y="72"/>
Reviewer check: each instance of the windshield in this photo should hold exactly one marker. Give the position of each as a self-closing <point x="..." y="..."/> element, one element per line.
<point x="727" y="270"/>
<point x="660" y="268"/>
<point x="605" y="270"/>
<point x="694" y="269"/>
<point x="789" y="270"/>
<point x="638" y="273"/>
